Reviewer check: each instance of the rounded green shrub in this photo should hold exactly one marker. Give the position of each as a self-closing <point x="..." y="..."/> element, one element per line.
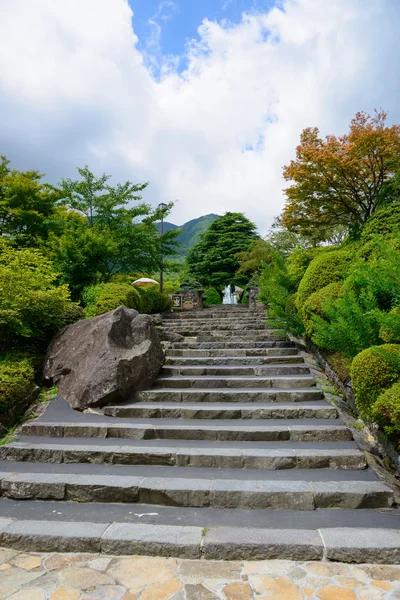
<point x="212" y="296"/>
<point x="16" y="380"/>
<point x="386" y="410"/>
<point x="326" y="268"/>
<point x="153" y="301"/>
<point x="112" y="295"/>
<point x="314" y="304"/>
<point x="372" y="371"/>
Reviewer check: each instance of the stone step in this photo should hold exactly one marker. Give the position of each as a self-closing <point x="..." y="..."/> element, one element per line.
<point x="359" y="536"/>
<point x="220" y="323"/>
<point x="174" y="410"/>
<point x="234" y="360"/>
<point x="193" y="345"/>
<point x="226" y="352"/>
<point x="262" y="456"/>
<point x="259" y="371"/>
<point x="231" y="381"/>
<point x="239" y="337"/>
<point x="177" y="429"/>
<point x="186" y="492"/>
<point x="245" y="329"/>
<point x="229" y="395"/>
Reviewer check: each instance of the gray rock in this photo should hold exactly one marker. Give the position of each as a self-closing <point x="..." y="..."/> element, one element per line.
<point x="107" y="358"/>
<point x="169" y="336"/>
<point x="157" y="319"/>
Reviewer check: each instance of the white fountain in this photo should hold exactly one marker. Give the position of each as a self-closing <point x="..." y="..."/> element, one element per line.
<point x="229" y="296"/>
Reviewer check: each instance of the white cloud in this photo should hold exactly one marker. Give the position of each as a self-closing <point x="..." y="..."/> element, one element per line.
<point x="74" y="89"/>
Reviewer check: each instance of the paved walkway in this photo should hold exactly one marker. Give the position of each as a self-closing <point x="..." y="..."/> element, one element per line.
<point x="96" y="577"/>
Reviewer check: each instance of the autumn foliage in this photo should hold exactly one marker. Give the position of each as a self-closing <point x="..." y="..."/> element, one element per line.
<point x="340" y="180"/>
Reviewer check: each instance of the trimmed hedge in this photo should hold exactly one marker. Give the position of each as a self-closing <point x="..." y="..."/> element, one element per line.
<point x="386" y="410"/>
<point x="108" y="296"/>
<point x="154" y="301"/>
<point x="327" y="268"/>
<point x="16" y="380"/>
<point x="314" y="304"/>
<point x="212" y="296"/>
<point x="374" y="370"/>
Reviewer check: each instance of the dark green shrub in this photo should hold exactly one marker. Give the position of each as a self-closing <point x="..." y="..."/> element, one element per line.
<point x="212" y="296"/>
<point x="16" y="380"/>
<point x="327" y="268"/>
<point x="111" y="295"/>
<point x="73" y="314"/>
<point x="277" y="291"/>
<point x="374" y="370"/>
<point x="190" y="284"/>
<point x="384" y="222"/>
<point x="386" y="410"/>
<point x="390" y="329"/>
<point x="315" y="303"/>
<point x="356" y="321"/>
<point x="153" y="301"/>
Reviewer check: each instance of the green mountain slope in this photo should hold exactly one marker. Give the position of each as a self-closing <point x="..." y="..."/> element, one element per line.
<point x="190" y="231"/>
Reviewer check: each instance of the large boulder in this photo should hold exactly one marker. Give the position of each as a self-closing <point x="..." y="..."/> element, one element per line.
<point x="104" y="359"/>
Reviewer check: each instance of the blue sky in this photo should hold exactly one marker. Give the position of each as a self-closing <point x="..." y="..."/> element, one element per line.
<point x="180" y="19"/>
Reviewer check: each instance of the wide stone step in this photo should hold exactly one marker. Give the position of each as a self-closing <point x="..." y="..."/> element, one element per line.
<point x="274" y="430"/>
<point x="234" y="360"/>
<point x="174" y="410"/>
<point x="208" y="325"/>
<point x="185" y="492"/>
<point x="360" y="536"/>
<point x="262" y="456"/>
<point x="229" y="395"/>
<point x="237" y="352"/>
<point x="241" y="381"/>
<point x="231" y="345"/>
<point x="239" y="337"/>
<point x="227" y="370"/>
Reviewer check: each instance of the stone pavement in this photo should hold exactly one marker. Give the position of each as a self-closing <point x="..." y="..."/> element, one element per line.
<point x="96" y="577"/>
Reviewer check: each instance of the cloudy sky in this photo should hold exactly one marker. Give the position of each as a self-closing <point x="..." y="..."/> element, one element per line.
<point x="203" y="98"/>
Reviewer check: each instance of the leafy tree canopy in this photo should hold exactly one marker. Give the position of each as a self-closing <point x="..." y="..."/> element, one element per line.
<point x="341" y="180"/>
<point x="27" y="205"/>
<point x="213" y="260"/>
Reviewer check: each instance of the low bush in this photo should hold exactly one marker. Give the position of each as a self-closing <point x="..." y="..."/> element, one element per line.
<point x="315" y="303"/>
<point x="277" y="291"/>
<point x="190" y="284"/>
<point x="16" y="380"/>
<point x="386" y="410"/>
<point x="108" y="296"/>
<point x="390" y="329"/>
<point x="384" y="222"/>
<point x="212" y="296"/>
<point x="374" y="370"/>
<point x="32" y="308"/>
<point x="326" y="268"/>
<point x="153" y="301"/>
<point x="362" y="316"/>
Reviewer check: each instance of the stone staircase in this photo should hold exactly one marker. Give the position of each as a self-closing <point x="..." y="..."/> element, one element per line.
<point x="234" y="453"/>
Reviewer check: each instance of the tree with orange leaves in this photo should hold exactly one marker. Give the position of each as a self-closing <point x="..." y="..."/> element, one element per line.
<point x="341" y="180"/>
